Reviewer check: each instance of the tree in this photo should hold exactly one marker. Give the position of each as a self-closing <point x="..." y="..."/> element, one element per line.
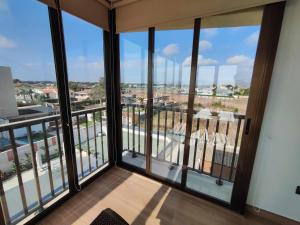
<point x="214" y="90"/>
<point x="74" y="86"/>
<point x="23" y="92"/>
<point x="98" y="91"/>
<point x="30" y="92"/>
<point x="140" y="100"/>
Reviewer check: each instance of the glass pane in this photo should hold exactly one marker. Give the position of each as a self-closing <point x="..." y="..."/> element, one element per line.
<point x="85" y="62"/>
<point x="170" y="97"/>
<point x="225" y="64"/>
<point x="134" y="64"/>
<point x="30" y="154"/>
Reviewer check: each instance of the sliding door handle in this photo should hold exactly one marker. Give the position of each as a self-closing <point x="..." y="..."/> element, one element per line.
<point x="248" y="124"/>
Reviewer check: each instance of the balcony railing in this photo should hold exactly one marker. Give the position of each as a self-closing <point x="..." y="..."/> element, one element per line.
<point x="33" y="166"/>
<point x="214" y="144"/>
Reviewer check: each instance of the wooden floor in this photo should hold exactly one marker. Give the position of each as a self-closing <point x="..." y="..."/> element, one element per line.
<point x="140" y="200"/>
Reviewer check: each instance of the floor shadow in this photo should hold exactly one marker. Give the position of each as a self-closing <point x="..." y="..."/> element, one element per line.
<point x="171" y="207"/>
<point x="144" y="202"/>
<point x="151" y="205"/>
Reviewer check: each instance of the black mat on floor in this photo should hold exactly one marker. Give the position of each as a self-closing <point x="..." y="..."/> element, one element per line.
<point x="109" y="217"/>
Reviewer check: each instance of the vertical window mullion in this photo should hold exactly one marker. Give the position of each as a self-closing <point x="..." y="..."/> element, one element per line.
<point x="58" y="44"/>
<point x="192" y="87"/>
<point x="151" y="37"/>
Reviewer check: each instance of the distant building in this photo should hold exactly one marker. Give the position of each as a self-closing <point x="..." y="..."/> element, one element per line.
<point x="82" y="95"/>
<point x="50" y="92"/>
<point x="8" y="103"/>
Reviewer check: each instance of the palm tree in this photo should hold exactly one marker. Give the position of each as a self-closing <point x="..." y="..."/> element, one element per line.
<point x="23" y="92"/>
<point x="30" y="92"/>
<point x="98" y="92"/>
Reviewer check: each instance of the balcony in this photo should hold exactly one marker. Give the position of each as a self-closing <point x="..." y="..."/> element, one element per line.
<point x="33" y="172"/>
<point x="163" y="111"/>
<point x="214" y="146"/>
<point x="35" y="164"/>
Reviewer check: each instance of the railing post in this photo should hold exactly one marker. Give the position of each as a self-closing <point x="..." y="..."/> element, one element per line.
<point x="204" y="146"/>
<point x="196" y="143"/>
<point x="34" y="166"/>
<point x="79" y="144"/>
<point x="133" y="132"/>
<point x="88" y="141"/>
<point x="4" y="214"/>
<point x="235" y="148"/>
<point x="47" y="155"/>
<point x="18" y="170"/>
<point x="101" y="130"/>
<point x="128" y="138"/>
<point x="219" y="180"/>
<point x="215" y="148"/>
<point x="60" y="155"/>
<point x="165" y="131"/>
<point x="95" y="138"/>
<point x="139" y="137"/>
<point x="179" y="143"/>
<point x="158" y="125"/>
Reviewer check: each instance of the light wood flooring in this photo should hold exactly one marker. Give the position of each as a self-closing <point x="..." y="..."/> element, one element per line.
<point x="140" y="200"/>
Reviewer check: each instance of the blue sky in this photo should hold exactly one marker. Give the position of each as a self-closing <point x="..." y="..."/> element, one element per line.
<point x="231" y="50"/>
<point x="26" y="46"/>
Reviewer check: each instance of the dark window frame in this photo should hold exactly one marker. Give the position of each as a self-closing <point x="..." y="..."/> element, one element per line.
<point x="264" y="60"/>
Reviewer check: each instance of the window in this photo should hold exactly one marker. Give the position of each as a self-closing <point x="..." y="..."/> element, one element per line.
<point x="225" y="64"/>
<point x="134" y="64"/>
<point x="85" y="62"/>
<point x="173" y="49"/>
<point x="32" y="157"/>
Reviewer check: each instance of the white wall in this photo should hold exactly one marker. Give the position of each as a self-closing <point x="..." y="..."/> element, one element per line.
<point x="277" y="165"/>
<point x="8" y="104"/>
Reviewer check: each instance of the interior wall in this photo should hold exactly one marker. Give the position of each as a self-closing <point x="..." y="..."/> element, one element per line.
<point x="276" y="170"/>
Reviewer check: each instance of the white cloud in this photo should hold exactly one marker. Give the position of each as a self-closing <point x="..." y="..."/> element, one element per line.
<point x="204" y="45"/>
<point x="171" y="49"/>
<point x="240" y="60"/>
<point x="6" y="42"/>
<point x="201" y="61"/>
<point x="252" y="39"/>
<point x="206" y="61"/>
<point x="244" y="69"/>
<point x="210" y="32"/>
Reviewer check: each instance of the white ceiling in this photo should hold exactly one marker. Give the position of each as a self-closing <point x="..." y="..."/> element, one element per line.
<point x="133" y="15"/>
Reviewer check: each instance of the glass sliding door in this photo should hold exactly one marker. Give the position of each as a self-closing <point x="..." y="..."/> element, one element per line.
<point x="225" y="64"/>
<point x="32" y="157"/>
<point x="134" y="64"/>
<point x="85" y="63"/>
<point x="172" y="60"/>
